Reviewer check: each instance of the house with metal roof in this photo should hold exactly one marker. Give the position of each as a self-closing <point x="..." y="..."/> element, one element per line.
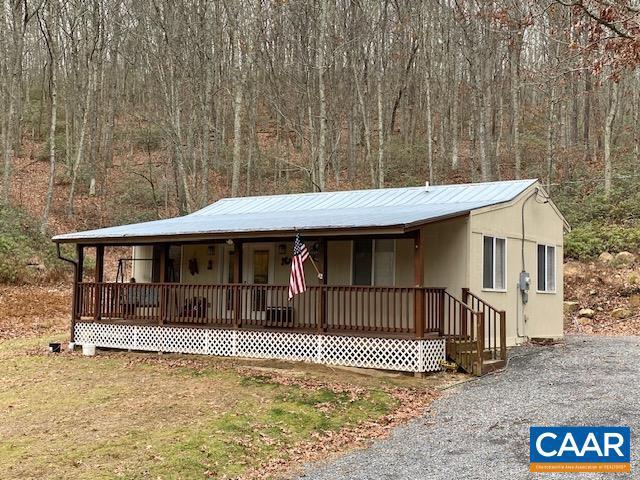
<point x="397" y="278"/>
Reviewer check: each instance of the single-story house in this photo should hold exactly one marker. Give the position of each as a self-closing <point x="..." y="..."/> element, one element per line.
<point x="406" y="277"/>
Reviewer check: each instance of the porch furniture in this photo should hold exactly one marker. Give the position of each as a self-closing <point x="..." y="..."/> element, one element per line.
<point x="279" y="317"/>
<point x="195" y="307"/>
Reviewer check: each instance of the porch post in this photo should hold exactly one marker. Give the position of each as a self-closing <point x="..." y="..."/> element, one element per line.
<point x="322" y="320"/>
<point x="162" y="279"/>
<point x="99" y="277"/>
<point x="75" y="297"/>
<point x="237" y="279"/>
<point x="418" y="267"/>
<point x="465" y="295"/>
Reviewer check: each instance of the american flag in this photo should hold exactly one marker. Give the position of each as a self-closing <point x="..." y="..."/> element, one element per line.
<point x="297" y="282"/>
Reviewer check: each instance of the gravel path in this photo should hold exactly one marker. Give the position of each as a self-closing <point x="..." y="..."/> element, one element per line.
<point x="481" y="429"/>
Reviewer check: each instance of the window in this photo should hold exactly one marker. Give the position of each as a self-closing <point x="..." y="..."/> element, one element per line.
<point x="373" y="262"/>
<point x="362" y="260"/>
<point x="546" y="268"/>
<point x="494" y="263"/>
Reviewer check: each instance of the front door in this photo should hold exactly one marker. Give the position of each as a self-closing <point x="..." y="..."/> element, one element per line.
<point x="259" y="267"/>
<point x="228" y="274"/>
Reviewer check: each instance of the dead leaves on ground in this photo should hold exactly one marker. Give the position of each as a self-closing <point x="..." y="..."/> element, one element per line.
<point x="411" y="404"/>
<point x="31" y="311"/>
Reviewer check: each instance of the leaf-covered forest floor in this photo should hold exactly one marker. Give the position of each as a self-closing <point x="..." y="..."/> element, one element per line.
<point x="34" y="310"/>
<point x="602" y="298"/>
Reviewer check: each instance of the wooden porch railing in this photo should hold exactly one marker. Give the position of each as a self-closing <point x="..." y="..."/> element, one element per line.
<point x="495" y="323"/>
<point x="341" y="309"/>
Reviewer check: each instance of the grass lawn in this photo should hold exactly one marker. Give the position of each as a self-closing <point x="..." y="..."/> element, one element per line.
<point x="128" y="415"/>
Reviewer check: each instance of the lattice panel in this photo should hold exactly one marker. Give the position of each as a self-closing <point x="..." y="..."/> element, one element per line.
<point x="105" y="335"/>
<point x="281" y="345"/>
<point x="222" y="343"/>
<point x="432" y="352"/>
<point x="368" y="352"/>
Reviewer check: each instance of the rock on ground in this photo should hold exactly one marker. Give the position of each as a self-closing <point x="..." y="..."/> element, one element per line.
<point x="605" y="257"/>
<point x="571" y="306"/>
<point x="621" y="313"/>
<point x="586" y="312"/>
<point x="481" y="429"/>
<point x="624" y="259"/>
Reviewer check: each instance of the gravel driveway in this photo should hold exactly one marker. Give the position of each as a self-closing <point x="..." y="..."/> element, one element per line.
<point x="481" y="429"/>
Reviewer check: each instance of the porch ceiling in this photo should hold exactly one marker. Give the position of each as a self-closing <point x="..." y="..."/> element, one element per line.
<point x="393" y="210"/>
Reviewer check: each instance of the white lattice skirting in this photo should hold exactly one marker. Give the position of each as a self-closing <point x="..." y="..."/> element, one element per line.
<point x="368" y="352"/>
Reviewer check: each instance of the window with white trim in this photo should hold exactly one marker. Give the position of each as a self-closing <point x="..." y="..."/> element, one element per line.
<point x="494" y="263"/>
<point x="546" y="268"/>
<point x="373" y="262"/>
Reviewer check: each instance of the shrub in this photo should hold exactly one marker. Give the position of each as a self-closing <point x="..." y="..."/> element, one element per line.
<point x="21" y="241"/>
<point x="590" y="239"/>
<point x="43" y="153"/>
<point x="133" y="201"/>
<point x="148" y="139"/>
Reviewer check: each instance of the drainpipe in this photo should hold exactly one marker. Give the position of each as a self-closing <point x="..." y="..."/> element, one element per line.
<point x="524" y="294"/>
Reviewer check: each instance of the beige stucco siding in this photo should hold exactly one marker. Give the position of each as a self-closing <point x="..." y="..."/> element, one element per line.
<point x="405" y="262"/>
<point x="542" y="315"/>
<point x="208" y="266"/>
<point x="446" y="254"/>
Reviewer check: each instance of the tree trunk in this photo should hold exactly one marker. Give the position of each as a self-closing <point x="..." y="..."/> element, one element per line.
<point x="550" y="135"/>
<point x="455" y="129"/>
<point x="80" y="149"/>
<point x="367" y="129"/>
<point x="636" y="120"/>
<point x="14" y="61"/>
<point x="515" y="109"/>
<point x="380" y="182"/>
<point x="322" y="135"/>
<point x="429" y="122"/>
<point x="53" y="86"/>
<point x="611" y="115"/>
<point x="237" y="140"/>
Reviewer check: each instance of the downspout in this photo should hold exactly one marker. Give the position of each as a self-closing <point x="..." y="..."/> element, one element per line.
<point x="523" y="270"/>
<point x="74" y="293"/>
<point x="69" y="260"/>
<point x="521" y="302"/>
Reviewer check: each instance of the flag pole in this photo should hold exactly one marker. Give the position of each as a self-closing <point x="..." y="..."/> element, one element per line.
<point x="320" y="275"/>
<point x="314" y="266"/>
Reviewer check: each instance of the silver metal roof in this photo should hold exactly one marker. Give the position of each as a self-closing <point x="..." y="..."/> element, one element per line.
<point x="278" y="214"/>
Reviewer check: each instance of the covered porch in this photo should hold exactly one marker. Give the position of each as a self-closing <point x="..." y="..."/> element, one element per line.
<point x="175" y="296"/>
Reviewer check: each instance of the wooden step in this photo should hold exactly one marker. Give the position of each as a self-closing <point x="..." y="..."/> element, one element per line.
<point x="465" y="344"/>
<point x="489" y="366"/>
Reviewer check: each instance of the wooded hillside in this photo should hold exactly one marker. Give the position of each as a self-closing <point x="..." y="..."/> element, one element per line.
<point x="126" y="110"/>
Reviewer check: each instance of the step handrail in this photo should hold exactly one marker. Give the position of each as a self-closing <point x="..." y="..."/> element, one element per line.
<point x="495" y="324"/>
<point x="464" y="331"/>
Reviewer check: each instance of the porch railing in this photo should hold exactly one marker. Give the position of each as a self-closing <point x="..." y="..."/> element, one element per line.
<point x="324" y="308"/>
